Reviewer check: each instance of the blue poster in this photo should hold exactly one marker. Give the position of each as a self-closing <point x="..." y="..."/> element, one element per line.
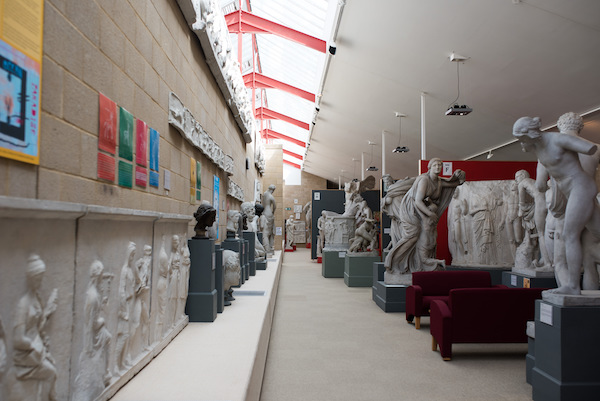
<point x="216" y="200"/>
<point x="154" y="139"/>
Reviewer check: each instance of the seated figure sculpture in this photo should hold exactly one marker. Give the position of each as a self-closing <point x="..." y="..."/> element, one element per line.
<point x="420" y="210"/>
<point x="558" y="156"/>
<point x="365" y="237"/>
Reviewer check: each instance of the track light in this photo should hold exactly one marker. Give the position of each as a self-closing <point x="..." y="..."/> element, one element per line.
<point x="490" y="154"/>
<point x="400" y="149"/>
<point x="455" y="109"/>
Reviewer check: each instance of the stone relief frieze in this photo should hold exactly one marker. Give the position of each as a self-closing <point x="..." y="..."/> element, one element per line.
<point x="182" y="119"/>
<point x="235" y="190"/>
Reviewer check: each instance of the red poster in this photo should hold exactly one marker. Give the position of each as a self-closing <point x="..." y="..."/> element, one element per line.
<point x="141" y="143"/>
<point x="107" y="129"/>
<point x="106" y="167"/>
<point x="141" y="176"/>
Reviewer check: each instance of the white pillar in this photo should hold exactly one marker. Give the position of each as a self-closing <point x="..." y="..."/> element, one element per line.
<point x="383" y="148"/>
<point x="423" y="133"/>
<point x="362" y="163"/>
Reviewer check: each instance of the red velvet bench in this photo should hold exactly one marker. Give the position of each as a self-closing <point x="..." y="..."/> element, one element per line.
<point x="428" y="286"/>
<point x="482" y="315"/>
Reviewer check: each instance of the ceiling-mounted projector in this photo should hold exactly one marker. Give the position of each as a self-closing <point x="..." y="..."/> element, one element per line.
<point x="458" y="110"/>
<point x="400" y="149"/>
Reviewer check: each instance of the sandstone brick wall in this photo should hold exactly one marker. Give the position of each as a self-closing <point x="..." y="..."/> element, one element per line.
<point x="274" y="175"/>
<point x="301" y="192"/>
<point x="135" y="52"/>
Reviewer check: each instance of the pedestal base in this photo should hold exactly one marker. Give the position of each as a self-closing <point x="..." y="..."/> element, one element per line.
<point x="566" y="352"/>
<point x="261" y="265"/>
<point x="333" y="264"/>
<point x="358" y="270"/>
<point x="521" y="280"/>
<point x="202" y="306"/>
<point x="389" y="297"/>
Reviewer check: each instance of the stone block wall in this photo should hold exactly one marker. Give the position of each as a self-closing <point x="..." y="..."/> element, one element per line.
<point x="274" y="175"/>
<point x="302" y="193"/>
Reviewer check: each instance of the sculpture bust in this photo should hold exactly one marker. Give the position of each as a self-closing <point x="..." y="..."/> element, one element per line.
<point x="233" y="222"/>
<point x="205" y="217"/>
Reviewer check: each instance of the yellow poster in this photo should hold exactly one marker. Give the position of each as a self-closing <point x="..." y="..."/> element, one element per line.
<point x="192" y="180"/>
<point x="21" y="29"/>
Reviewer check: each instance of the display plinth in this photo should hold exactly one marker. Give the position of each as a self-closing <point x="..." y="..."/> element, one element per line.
<point x="219" y="278"/>
<point x="333" y="263"/>
<point x="530" y="357"/>
<point x="566" y="352"/>
<point x="358" y="269"/>
<point x="261" y="265"/>
<point x="495" y="272"/>
<point x="522" y="280"/>
<point x="250" y="236"/>
<point x="246" y="258"/>
<point x="201" y="305"/>
<point x="389" y="297"/>
<point x="237" y="246"/>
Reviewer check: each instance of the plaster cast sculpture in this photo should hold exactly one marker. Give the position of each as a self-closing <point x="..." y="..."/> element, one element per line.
<point x="307" y="209"/>
<point x="390" y="204"/>
<point x="289" y="233"/>
<point x="321" y="229"/>
<point x="484" y="224"/>
<point x="94" y="370"/>
<point x="233" y="222"/>
<point x="3" y="352"/>
<point x="231" y="271"/>
<point x="205" y="217"/>
<point x="458" y="224"/>
<point x="184" y="283"/>
<point x="420" y="209"/>
<point x="532" y="210"/>
<point x="234" y="190"/>
<point x="34" y="366"/>
<point x="162" y="289"/>
<point x="365" y="238"/>
<point x="125" y="311"/>
<point x="259" y="158"/>
<point x="268" y="215"/>
<point x="250" y="211"/>
<point x="174" y="280"/>
<point x="558" y="156"/>
<point x="141" y="309"/>
<point x="352" y="190"/>
<point x="363" y="213"/>
<point x="513" y="222"/>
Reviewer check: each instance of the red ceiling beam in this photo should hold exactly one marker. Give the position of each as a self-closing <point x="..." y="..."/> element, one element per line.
<point x="262" y="113"/>
<point x="292" y="164"/>
<point x="241" y="21"/>
<point x="296" y="155"/>
<point x="256" y="80"/>
<point x="274" y="134"/>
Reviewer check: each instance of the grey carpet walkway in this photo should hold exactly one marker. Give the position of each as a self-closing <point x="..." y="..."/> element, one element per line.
<point x="332" y="342"/>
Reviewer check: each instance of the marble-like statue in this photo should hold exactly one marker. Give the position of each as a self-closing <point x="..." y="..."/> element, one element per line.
<point x="174" y="279"/>
<point x="352" y="190"/>
<point x="513" y="222"/>
<point x="162" y="290"/>
<point x="307" y="209"/>
<point x="231" y="271"/>
<point x="233" y="222"/>
<point x="365" y="237"/>
<point x="461" y="238"/>
<point x="390" y="204"/>
<point x="558" y="156"/>
<point x="125" y="311"/>
<point x="205" y="217"/>
<point x="94" y="371"/>
<point x="268" y="214"/>
<point x="141" y="309"/>
<point x="34" y="366"/>
<point x="321" y="229"/>
<point x="249" y="210"/>
<point x="481" y="210"/>
<point x="420" y="209"/>
<point x="186" y="263"/>
<point x="363" y="213"/>
<point x="289" y="232"/>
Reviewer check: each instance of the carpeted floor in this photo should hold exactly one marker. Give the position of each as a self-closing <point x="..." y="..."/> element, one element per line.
<point x="332" y="342"/>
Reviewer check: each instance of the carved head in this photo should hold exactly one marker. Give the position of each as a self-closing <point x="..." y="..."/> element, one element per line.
<point x="233" y="220"/>
<point x="570" y="122"/>
<point x="521" y="175"/>
<point x="258" y="208"/>
<point x="527" y="127"/>
<point x="248" y="209"/>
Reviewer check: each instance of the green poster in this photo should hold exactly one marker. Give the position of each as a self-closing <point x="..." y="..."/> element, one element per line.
<point x="125" y="174"/>
<point x="198" y="180"/>
<point x="125" y="134"/>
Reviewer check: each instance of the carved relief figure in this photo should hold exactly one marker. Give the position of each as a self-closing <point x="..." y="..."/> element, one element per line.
<point x="270" y="206"/>
<point x="513" y="222"/>
<point x="420" y="209"/>
<point x="174" y="278"/>
<point x="94" y="371"/>
<point x="34" y="366"/>
<point x="141" y="309"/>
<point x="186" y="262"/>
<point x="481" y="209"/>
<point x="126" y="303"/>
<point x="461" y="237"/>
<point x="162" y="288"/>
<point x="558" y="156"/>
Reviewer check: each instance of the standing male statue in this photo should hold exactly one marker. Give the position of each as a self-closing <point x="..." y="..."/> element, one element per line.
<point x="269" y="219"/>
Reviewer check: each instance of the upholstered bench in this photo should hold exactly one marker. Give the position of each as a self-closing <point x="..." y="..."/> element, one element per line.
<point x="428" y="286"/>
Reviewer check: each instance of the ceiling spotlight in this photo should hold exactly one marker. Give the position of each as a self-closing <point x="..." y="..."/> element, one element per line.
<point x="455" y="109"/>
<point x="400" y="149"/>
<point x="371" y="168"/>
<point x="490" y="154"/>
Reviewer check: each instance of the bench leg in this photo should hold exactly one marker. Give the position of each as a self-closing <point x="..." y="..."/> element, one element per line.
<point x="417" y="322"/>
<point x="434" y="344"/>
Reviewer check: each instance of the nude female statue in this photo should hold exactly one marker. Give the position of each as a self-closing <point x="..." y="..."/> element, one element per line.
<point x="558" y="156"/>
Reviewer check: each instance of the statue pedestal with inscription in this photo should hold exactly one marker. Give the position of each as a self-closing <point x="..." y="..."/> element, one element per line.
<point x="202" y="301"/>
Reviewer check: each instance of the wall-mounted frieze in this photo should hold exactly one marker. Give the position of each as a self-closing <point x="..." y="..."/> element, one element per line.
<point x="182" y="119"/>
<point x="207" y="21"/>
<point x="259" y="157"/>
<point x="235" y="190"/>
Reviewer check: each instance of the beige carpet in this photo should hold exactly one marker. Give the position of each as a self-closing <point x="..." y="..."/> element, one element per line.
<point x="332" y="342"/>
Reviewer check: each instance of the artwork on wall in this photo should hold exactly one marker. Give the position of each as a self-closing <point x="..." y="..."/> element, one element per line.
<point x="107" y="129"/>
<point x="216" y="200"/>
<point x="192" y="180"/>
<point x="198" y="181"/>
<point x="141" y="143"/>
<point x="106" y="167"/>
<point x="125" y="134"/>
<point x="125" y="174"/>
<point x="20" y="80"/>
<point x="153" y="156"/>
<point x="141" y="176"/>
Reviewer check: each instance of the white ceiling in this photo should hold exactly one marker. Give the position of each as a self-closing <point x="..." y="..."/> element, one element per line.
<point x="537" y="58"/>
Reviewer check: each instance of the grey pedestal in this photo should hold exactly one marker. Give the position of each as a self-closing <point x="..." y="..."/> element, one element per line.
<point x="219" y="278"/>
<point x="566" y="353"/>
<point x="520" y="280"/>
<point x="333" y="264"/>
<point x="389" y="297"/>
<point x="251" y="238"/>
<point x="246" y="258"/>
<point x="201" y="305"/>
<point x="358" y="270"/>
<point x="261" y="265"/>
